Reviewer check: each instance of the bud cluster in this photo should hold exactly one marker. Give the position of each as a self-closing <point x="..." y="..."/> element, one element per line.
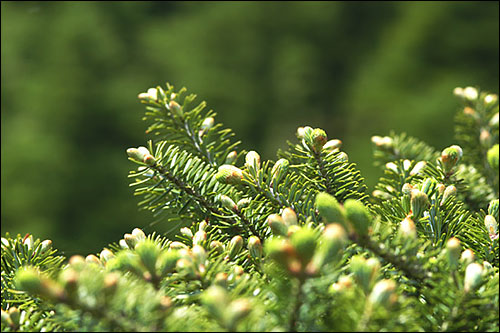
<point x="142" y="155"/>
<point x="353" y="214"/>
<point x="303" y="251"/>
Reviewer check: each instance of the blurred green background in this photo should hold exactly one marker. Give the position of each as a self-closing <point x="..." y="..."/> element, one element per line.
<point x="71" y="72"/>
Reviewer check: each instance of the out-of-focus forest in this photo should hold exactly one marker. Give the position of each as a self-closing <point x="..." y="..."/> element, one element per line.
<point x="71" y="72"/>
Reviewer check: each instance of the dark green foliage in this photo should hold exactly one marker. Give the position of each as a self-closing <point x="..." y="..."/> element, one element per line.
<point x="295" y="244"/>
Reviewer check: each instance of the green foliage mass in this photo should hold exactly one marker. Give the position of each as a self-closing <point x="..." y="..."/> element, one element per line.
<point x="297" y="244"/>
<point x="71" y="70"/>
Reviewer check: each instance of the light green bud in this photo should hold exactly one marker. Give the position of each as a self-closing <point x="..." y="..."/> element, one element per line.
<point x="279" y="170"/>
<point x="331" y="241"/>
<point x="252" y="160"/>
<point x="277" y="225"/>
<point x="148" y="252"/>
<point x="131" y="240"/>
<point x="255" y="247"/>
<point x="418" y="168"/>
<point x="491" y="224"/>
<point x="139" y="234"/>
<point x="207" y="124"/>
<point x="289" y="216"/>
<point x="473" y="276"/>
<point x="304" y="243"/>
<point x="229" y="174"/>
<point x="217" y="247"/>
<point x="106" y="255"/>
<point x="237" y="310"/>
<point x="186" y="232"/>
<point x="235" y="246"/>
<point x="450" y="157"/>
<point x="231" y="157"/>
<point x="166" y="262"/>
<point x="45" y="246"/>
<point x="383" y="293"/>
<point x="385" y="143"/>
<point x="493" y="208"/>
<point x="332" y="145"/>
<point x="419" y="203"/>
<point x="407" y="228"/>
<point x="28" y="279"/>
<point x="449" y="192"/>
<point x="199" y="237"/>
<point x="317" y="140"/>
<point x="453" y="251"/>
<point x="228" y="203"/>
<point x="14" y="315"/>
<point x="175" y="108"/>
<point x="330" y="209"/>
<point x="358" y="215"/>
<point x="492" y="157"/>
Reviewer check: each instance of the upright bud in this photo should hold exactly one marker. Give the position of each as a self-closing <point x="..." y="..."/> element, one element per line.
<point x="15" y="315"/>
<point x="494" y="121"/>
<point x="365" y="271"/>
<point x="235" y="246"/>
<point x="106" y="255"/>
<point x="450" y="157"/>
<point x="449" y="192"/>
<point x="207" y="124"/>
<point x="139" y="234"/>
<point x="199" y="237"/>
<point x="289" y="216"/>
<point x="252" y="160"/>
<point x="231" y="157"/>
<point x="473" y="276"/>
<point x="302" y="131"/>
<point x="467" y="256"/>
<point x="329" y="208"/>
<point x="453" y="249"/>
<point x="280" y="250"/>
<point x="131" y="240"/>
<point x="358" y="216"/>
<point x="167" y="261"/>
<point x="493" y="208"/>
<point x="332" y="240"/>
<point x="237" y="310"/>
<point x="318" y="140"/>
<point x="419" y="203"/>
<point x="492" y="225"/>
<point x="255" y="247"/>
<point x="229" y="174"/>
<point x="490" y="99"/>
<point x="28" y="279"/>
<point x="279" y="169"/>
<point x="304" y="243"/>
<point x="277" y="225"/>
<point x="228" y="203"/>
<point x="332" y="145"/>
<point x="407" y="228"/>
<point x="383" y="293"/>
<point x="175" y="108"/>
<point x="243" y="203"/>
<point x="418" y="168"/>
<point x="217" y="247"/>
<point x="148" y="252"/>
<point x="186" y="232"/>
<point x="151" y="94"/>
<point x="45" y="246"/>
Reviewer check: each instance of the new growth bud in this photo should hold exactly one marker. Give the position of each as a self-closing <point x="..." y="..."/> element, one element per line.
<point x="453" y="249"/>
<point x="473" y="276"/>
<point x="450" y="157"/>
<point x="492" y="157"/>
<point x="255" y="247"/>
<point x="252" y="160"/>
<point x="358" y="215"/>
<point x="330" y="209"/>
<point x="419" y="203"/>
<point x="229" y="174"/>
